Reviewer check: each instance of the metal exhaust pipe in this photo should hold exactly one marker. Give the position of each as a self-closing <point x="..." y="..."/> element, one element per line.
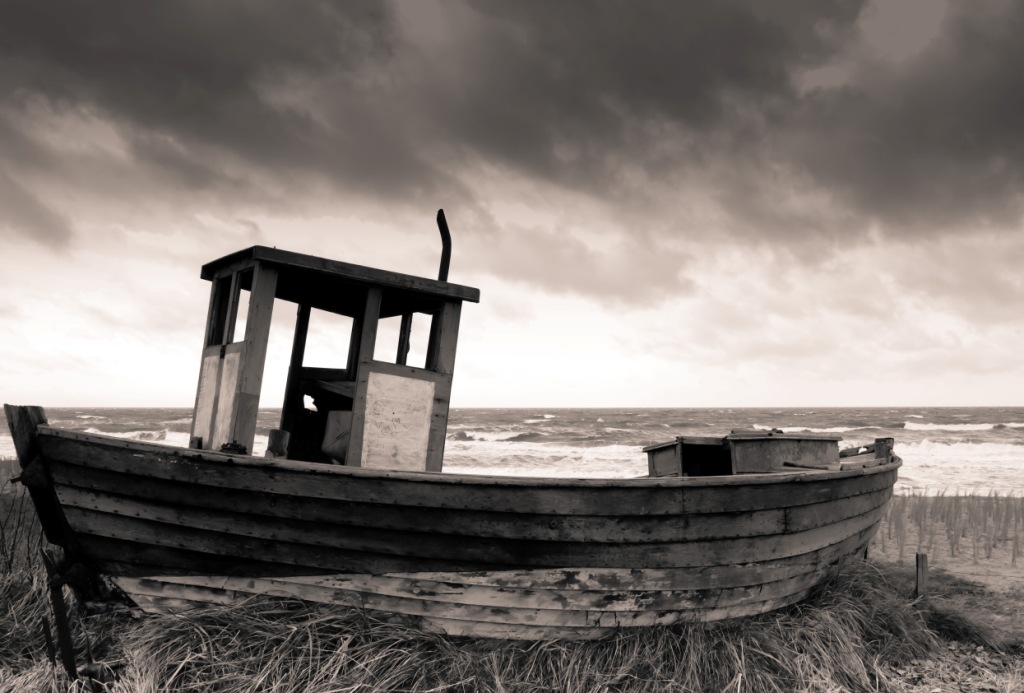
<point x="446" y="246"/>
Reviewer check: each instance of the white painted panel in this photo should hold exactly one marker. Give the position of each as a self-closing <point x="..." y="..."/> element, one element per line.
<point x="225" y="417"/>
<point x="206" y="397"/>
<point x="397" y="422"/>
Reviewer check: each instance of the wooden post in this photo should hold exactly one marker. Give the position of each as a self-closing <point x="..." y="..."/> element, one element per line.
<point x="217" y="316"/>
<point x="403" y="339"/>
<point x="22" y="422"/>
<point x="922" y="576"/>
<point x="292" y="394"/>
<point x="234" y="292"/>
<point x="444" y="335"/>
<point x="250" y="375"/>
<point x="278" y="443"/>
<point x="361" y="352"/>
<point x="883" y="449"/>
<point x="60" y="617"/>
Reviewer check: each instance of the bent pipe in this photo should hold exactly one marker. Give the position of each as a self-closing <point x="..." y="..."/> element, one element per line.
<point x="446" y="246"/>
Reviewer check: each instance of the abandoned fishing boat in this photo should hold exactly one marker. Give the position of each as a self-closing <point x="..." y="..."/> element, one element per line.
<point x="351" y="506"/>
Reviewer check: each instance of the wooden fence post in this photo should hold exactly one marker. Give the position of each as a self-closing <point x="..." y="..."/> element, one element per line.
<point x="922" y="576"/>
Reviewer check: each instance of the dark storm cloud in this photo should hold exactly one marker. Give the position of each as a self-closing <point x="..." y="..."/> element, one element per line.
<point x="191" y="86"/>
<point x="565" y="90"/>
<point x="934" y="143"/>
<point x="276" y="102"/>
<point x="575" y="92"/>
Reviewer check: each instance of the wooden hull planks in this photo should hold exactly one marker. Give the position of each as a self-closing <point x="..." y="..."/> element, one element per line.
<point x="449" y="600"/>
<point x="609" y="497"/>
<point x="465" y="555"/>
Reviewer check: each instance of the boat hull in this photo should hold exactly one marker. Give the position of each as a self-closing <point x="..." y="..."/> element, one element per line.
<point x="464" y="555"/>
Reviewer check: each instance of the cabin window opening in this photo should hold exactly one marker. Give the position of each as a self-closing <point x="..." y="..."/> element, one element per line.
<point x="419" y="340"/>
<point x="389" y="332"/>
<point x="241" y="313"/>
<point x="327" y="340"/>
<point x="279" y="351"/>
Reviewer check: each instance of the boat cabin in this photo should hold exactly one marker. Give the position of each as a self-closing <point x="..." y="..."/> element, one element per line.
<point x="368" y="412"/>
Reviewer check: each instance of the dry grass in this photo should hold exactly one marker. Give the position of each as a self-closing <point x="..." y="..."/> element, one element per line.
<point x="859" y="632"/>
<point x="976" y="524"/>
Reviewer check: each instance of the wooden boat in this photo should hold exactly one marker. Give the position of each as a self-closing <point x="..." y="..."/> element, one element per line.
<point x="350" y="505"/>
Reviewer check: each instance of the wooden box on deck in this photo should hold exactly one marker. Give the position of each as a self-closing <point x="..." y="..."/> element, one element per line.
<point x="742" y="452"/>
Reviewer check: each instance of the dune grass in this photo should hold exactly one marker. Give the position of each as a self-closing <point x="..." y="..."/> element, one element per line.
<point x="859" y="631"/>
<point x="968" y="523"/>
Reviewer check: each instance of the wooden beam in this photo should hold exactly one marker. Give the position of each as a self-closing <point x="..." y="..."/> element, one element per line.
<point x="234" y="292"/>
<point x="403" y="339"/>
<point x="360" y="355"/>
<point x="883" y="448"/>
<point x="250" y="376"/>
<point x="368" y="326"/>
<point x="293" y="404"/>
<point x="23" y="423"/>
<point x="444" y="335"/>
<point x="295" y="263"/>
<point x="216" y="319"/>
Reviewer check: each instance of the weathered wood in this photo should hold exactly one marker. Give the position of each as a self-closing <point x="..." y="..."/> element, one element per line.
<point x="285" y="261"/>
<point x="350" y="516"/>
<point x="883" y="448"/>
<point x="220" y="528"/>
<point x="861" y="461"/>
<point x="522" y="604"/>
<point x="764" y="454"/>
<point x="459" y="553"/>
<point x="690" y="578"/>
<point x="444" y="335"/>
<point x="404" y="332"/>
<point x="664" y="460"/>
<point x="65" y="646"/>
<point x="277" y="443"/>
<point x="231" y="317"/>
<point x="326" y="374"/>
<point x="457" y="619"/>
<point x="293" y="400"/>
<point x="129" y="558"/>
<point x="397" y="422"/>
<point x="206" y="393"/>
<point x="24" y="423"/>
<point x="225" y="402"/>
<point x="221" y="545"/>
<point x="135" y="559"/>
<point x="250" y="374"/>
<point x="216" y="317"/>
<point x="921" y="575"/>
<point x="515" y="608"/>
<point x="364" y="339"/>
<point x="667" y="496"/>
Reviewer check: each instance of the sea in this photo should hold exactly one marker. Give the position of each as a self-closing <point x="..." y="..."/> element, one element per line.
<point x="949" y="449"/>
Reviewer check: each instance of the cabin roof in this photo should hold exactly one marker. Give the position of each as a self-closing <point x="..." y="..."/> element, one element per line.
<point x="328" y="284"/>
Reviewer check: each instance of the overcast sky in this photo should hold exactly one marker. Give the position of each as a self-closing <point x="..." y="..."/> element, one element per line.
<point x="794" y="203"/>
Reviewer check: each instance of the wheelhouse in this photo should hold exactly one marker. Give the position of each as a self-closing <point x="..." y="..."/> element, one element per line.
<point x="369" y="413"/>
